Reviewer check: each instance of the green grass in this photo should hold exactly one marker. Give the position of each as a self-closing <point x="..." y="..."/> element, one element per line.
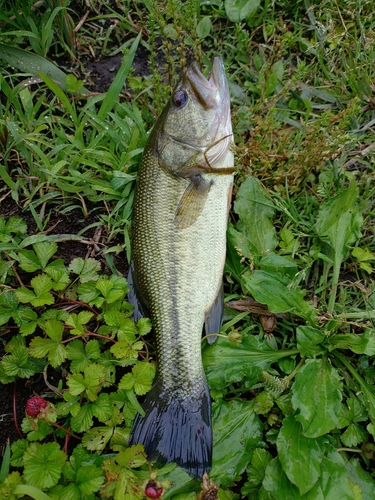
<point x="292" y="374"/>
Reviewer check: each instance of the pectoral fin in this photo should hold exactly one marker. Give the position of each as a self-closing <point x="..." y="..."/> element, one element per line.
<point x="214" y="316"/>
<point x="192" y="202"/>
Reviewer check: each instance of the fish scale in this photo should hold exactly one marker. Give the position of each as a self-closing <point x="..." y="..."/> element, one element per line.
<point x="177" y="266"/>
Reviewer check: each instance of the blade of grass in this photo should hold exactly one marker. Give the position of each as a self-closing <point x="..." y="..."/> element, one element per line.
<point x="118" y="83"/>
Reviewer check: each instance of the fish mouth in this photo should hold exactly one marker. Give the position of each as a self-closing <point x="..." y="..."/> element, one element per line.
<point x="213" y="91"/>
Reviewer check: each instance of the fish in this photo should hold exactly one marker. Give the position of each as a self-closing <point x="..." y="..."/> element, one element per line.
<point x="180" y="215"/>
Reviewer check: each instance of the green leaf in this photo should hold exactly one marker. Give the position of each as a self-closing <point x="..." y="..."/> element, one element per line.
<point x="308" y="340"/>
<point x="43" y="464"/>
<point x="277" y="483"/>
<point x="254" y="234"/>
<point x="32" y="63"/>
<point x="117" y="85"/>
<point x="204" y="27"/>
<point x="82" y="356"/>
<point x="300" y="456"/>
<point x="317" y="394"/>
<point x="256" y="471"/>
<point x="87" y="269"/>
<point x="97" y="438"/>
<point x="358" y="343"/>
<point x="82" y="420"/>
<point x="332" y="210"/>
<point x="360" y="478"/>
<point x="279" y="296"/>
<point x="226" y="362"/>
<point x="141" y="378"/>
<point x="41" y="296"/>
<point x="89" y="479"/>
<point x="44" y="251"/>
<point x="238" y="10"/>
<point x="132" y="457"/>
<point x="77" y="322"/>
<point x="236" y="431"/>
<point x="28" y="261"/>
<point x="102" y="408"/>
<point x="353" y="436"/>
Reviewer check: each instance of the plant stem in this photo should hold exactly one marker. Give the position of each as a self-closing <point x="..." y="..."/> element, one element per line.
<point x="15" y="409"/>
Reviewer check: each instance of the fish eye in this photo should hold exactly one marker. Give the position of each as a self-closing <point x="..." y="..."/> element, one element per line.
<point x="180" y="98"/>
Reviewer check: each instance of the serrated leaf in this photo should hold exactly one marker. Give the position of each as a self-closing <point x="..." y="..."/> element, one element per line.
<point x="54" y="329"/>
<point x="44" y="251"/>
<point x="102" y="408"/>
<point x="59" y="276"/>
<point x="28" y="261"/>
<point x="227" y="362"/>
<point x="80" y="356"/>
<point x="353" y="436"/>
<point x="77" y="321"/>
<point x="88" y="292"/>
<point x="97" y="438"/>
<point x="82" y="420"/>
<point x="144" y="326"/>
<point x="43" y="464"/>
<point x="236" y="431"/>
<point x="87" y="269"/>
<point x="300" y="456"/>
<point x="143" y="374"/>
<point x="89" y="479"/>
<point x="132" y="457"/>
<point x="256" y="470"/>
<point x="317" y="394"/>
<point x="76" y="384"/>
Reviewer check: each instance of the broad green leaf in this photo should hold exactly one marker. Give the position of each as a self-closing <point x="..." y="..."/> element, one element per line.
<point x="254" y="234"/>
<point x="279" y="295"/>
<point x="43" y="464"/>
<point x="238" y="10"/>
<point x="227" y="362"/>
<point x="300" y="456"/>
<point x="360" y="343"/>
<point x="360" y="478"/>
<point x="317" y="394"/>
<point x="204" y="27"/>
<point x="59" y="276"/>
<point x="77" y="322"/>
<point x="273" y="263"/>
<point x="308" y="340"/>
<point x="18" y="363"/>
<point x="277" y="483"/>
<point x="237" y="429"/>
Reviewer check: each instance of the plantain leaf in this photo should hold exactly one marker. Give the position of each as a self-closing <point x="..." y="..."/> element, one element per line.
<point x="237" y="431"/>
<point x="317" y="394"/>
<point x="300" y="456"/>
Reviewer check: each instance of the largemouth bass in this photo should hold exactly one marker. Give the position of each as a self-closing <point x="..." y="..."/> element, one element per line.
<point x="180" y="218"/>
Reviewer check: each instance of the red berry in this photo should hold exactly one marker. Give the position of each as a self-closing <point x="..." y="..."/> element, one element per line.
<point x="34" y="405"/>
<point x="152" y="490"/>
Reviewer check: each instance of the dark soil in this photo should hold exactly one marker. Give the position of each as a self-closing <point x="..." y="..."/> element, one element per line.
<point x="13" y="396"/>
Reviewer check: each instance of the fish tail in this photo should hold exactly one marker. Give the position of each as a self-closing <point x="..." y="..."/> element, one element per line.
<point x="176" y="428"/>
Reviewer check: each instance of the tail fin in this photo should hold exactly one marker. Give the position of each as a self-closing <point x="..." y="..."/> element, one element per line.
<point x="176" y="429"/>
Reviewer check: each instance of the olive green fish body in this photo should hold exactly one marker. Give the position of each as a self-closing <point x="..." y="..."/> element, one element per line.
<point x="178" y="251"/>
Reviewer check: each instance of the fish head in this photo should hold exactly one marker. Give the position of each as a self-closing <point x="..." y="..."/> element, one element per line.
<point x="196" y="123"/>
